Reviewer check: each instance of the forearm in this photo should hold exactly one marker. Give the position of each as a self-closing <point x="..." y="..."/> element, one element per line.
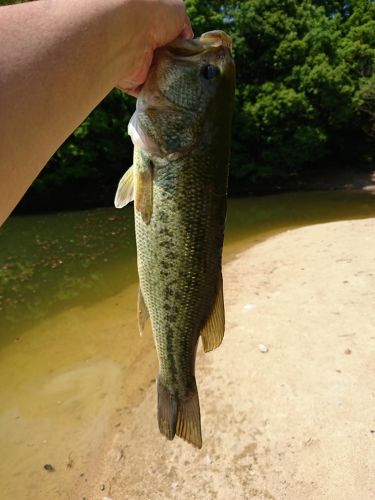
<point x="58" y="60"/>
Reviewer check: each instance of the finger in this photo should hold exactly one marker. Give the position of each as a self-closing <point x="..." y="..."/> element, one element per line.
<point x="187" y="31"/>
<point x="133" y="91"/>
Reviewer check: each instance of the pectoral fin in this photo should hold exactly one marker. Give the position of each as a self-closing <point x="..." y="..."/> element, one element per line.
<point x="213" y="330"/>
<point x="144" y="192"/>
<point x="125" y="190"/>
<point x="142" y="313"/>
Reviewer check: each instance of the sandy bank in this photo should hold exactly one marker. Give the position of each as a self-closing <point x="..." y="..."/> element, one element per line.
<point x="296" y="422"/>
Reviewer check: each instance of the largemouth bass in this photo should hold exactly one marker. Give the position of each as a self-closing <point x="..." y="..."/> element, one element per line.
<point x="181" y="132"/>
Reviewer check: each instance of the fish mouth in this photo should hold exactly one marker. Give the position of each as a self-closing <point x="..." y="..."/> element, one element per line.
<point x="190" y="48"/>
<point x="217" y="38"/>
<point x="212" y="48"/>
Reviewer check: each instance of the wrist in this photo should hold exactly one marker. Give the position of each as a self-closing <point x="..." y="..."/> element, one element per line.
<point x="128" y="38"/>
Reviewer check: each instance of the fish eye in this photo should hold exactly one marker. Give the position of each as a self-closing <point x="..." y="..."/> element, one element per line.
<point x="209" y="71"/>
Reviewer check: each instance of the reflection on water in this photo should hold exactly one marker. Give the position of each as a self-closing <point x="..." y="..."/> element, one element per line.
<point x="50" y="262"/>
<point x="71" y="359"/>
<point x="251" y="220"/>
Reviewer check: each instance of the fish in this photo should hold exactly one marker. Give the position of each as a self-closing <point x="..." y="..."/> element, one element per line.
<point x="181" y="131"/>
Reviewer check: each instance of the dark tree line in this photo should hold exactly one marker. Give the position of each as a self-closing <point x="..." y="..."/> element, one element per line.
<point x="305" y="102"/>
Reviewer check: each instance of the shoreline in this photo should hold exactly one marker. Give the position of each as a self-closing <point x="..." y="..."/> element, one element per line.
<point x="346" y="179"/>
<point x="293" y="422"/>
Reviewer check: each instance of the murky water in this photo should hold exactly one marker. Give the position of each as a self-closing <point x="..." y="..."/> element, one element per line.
<point x="71" y="359"/>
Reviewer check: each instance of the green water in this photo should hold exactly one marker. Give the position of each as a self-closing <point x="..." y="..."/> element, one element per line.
<point x="71" y="360"/>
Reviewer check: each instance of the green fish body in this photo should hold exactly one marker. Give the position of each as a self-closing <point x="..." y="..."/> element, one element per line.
<point x="178" y="181"/>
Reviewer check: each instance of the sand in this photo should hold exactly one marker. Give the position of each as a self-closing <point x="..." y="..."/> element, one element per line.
<point x="295" y="422"/>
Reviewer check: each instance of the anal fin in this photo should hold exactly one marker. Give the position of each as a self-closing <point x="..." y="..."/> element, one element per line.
<point x="142" y="313"/>
<point x="212" y="332"/>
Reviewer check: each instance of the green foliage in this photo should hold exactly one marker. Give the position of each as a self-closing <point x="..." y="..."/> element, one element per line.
<point x="305" y="99"/>
<point x="299" y="75"/>
<point x="367" y="105"/>
<point x="10" y="2"/>
<point x="207" y="15"/>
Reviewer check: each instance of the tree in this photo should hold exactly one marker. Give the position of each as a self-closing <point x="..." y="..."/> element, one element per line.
<point x="299" y="73"/>
<point x="367" y="99"/>
<point x="305" y="73"/>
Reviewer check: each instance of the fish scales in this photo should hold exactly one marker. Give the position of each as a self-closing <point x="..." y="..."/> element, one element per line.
<point x="178" y="280"/>
<point x="181" y="133"/>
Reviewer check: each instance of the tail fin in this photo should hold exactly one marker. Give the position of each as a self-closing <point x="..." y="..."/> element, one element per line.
<point x="167" y="411"/>
<point x="189" y="418"/>
<point x="180" y="416"/>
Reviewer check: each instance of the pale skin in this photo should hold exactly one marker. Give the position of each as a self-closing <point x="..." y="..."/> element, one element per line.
<point x="58" y="60"/>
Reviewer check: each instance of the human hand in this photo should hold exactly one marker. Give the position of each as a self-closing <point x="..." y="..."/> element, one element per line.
<point x="80" y="50"/>
<point x="158" y="22"/>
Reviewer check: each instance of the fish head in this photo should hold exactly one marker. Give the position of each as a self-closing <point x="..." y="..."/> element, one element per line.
<point x="190" y="86"/>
